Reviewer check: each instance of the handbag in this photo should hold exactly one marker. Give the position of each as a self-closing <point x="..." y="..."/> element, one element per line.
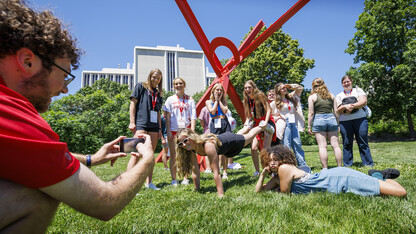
<point x="367" y="111"/>
<point x="350" y="100"/>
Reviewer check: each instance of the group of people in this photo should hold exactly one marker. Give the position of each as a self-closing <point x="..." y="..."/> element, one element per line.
<point x="37" y="171"/>
<point x="179" y="112"/>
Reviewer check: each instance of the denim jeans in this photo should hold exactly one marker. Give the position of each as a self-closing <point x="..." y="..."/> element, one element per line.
<point x="291" y="138"/>
<point x="359" y="128"/>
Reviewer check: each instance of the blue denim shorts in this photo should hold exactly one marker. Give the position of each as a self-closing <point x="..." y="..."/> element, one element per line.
<point x="325" y="122"/>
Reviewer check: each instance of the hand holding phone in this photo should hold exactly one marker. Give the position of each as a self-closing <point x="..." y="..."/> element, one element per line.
<point x="128" y="145"/>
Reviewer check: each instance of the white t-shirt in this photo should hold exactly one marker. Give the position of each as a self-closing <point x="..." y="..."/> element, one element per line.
<point x="288" y="110"/>
<point x="356" y="92"/>
<point x="182" y="111"/>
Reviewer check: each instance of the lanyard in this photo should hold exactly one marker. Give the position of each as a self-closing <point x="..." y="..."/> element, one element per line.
<point x="288" y="104"/>
<point x="349" y="93"/>
<point x="251" y="105"/>
<point x="154" y="98"/>
<point x="181" y="104"/>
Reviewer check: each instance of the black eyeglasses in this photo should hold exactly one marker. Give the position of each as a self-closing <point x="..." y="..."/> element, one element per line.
<point x="68" y="79"/>
<point x="183" y="142"/>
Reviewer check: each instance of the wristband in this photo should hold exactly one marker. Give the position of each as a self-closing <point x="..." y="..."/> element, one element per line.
<point x="88" y="160"/>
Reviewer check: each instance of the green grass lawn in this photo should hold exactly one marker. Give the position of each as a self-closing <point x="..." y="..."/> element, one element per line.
<point x="241" y="210"/>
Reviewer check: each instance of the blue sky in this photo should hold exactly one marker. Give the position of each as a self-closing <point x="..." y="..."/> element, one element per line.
<point x="109" y="30"/>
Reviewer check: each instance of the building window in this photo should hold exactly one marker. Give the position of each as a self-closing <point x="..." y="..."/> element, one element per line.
<point x="94" y="78"/>
<point x="102" y="76"/>
<point x="125" y="79"/>
<point x="118" y="79"/>
<point x="132" y="84"/>
<point x="111" y="78"/>
<point x="170" y="69"/>
<point x="86" y="79"/>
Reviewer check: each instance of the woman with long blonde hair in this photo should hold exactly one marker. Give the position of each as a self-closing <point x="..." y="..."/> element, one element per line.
<point x="257" y="109"/>
<point x="288" y="105"/>
<point x="188" y="144"/>
<point x="218" y="108"/>
<point x="145" y="117"/>
<point x="324" y="116"/>
<point x="180" y="113"/>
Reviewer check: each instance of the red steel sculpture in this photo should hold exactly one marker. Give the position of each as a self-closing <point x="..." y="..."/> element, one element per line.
<point x="245" y="49"/>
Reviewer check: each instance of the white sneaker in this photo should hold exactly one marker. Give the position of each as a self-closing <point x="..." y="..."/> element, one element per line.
<point x="152" y="186"/>
<point x="174" y="183"/>
<point x="185" y="182"/>
<point x="224" y="176"/>
<point x="255" y="174"/>
<point x="208" y="171"/>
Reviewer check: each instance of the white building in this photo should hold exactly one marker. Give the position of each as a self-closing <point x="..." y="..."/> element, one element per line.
<point x="172" y="61"/>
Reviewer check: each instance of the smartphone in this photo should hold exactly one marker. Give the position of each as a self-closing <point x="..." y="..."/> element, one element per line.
<point x="128" y="145"/>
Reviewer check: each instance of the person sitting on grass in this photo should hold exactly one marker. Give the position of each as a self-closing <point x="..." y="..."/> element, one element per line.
<point x="229" y="144"/>
<point x="287" y="178"/>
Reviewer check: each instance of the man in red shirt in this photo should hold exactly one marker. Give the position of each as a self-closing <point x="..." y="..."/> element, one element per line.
<point x="37" y="172"/>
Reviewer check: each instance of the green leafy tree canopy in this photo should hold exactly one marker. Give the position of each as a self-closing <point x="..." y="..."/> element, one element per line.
<point x="385" y="43"/>
<point x="278" y="59"/>
<point x="93" y="116"/>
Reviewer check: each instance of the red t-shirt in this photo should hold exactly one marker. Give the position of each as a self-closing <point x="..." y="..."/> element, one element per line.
<point x="30" y="151"/>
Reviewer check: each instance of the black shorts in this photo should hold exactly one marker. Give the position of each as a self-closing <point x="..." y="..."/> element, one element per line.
<point x="232" y="144"/>
<point x="147" y="129"/>
<point x="225" y="127"/>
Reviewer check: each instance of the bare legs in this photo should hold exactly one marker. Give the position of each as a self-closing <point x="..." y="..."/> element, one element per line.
<point x="255" y="154"/>
<point x="24" y="210"/>
<point x="172" y="161"/>
<point x="133" y="160"/>
<point x="250" y="137"/>
<point x="223" y="161"/>
<point x="323" y="154"/>
<point x="391" y="187"/>
<point x="208" y="164"/>
<point x="165" y="157"/>
<point x="333" y="139"/>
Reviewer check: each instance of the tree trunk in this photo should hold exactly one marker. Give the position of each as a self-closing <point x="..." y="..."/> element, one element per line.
<point x="410" y="124"/>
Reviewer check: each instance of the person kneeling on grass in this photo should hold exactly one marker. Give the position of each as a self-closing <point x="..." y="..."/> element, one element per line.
<point x="229" y="144"/>
<point x="281" y="163"/>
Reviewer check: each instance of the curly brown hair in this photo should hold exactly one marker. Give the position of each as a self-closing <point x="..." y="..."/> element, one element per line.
<point x="280" y="153"/>
<point x="41" y="32"/>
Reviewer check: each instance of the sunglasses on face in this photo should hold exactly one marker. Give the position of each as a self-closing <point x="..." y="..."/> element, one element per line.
<point x="183" y="142"/>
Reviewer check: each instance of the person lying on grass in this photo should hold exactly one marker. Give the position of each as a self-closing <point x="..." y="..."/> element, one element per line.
<point x="229" y="144"/>
<point x="281" y="163"/>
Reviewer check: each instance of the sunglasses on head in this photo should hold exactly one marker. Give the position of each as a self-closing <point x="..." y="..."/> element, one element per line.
<point x="183" y="142"/>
